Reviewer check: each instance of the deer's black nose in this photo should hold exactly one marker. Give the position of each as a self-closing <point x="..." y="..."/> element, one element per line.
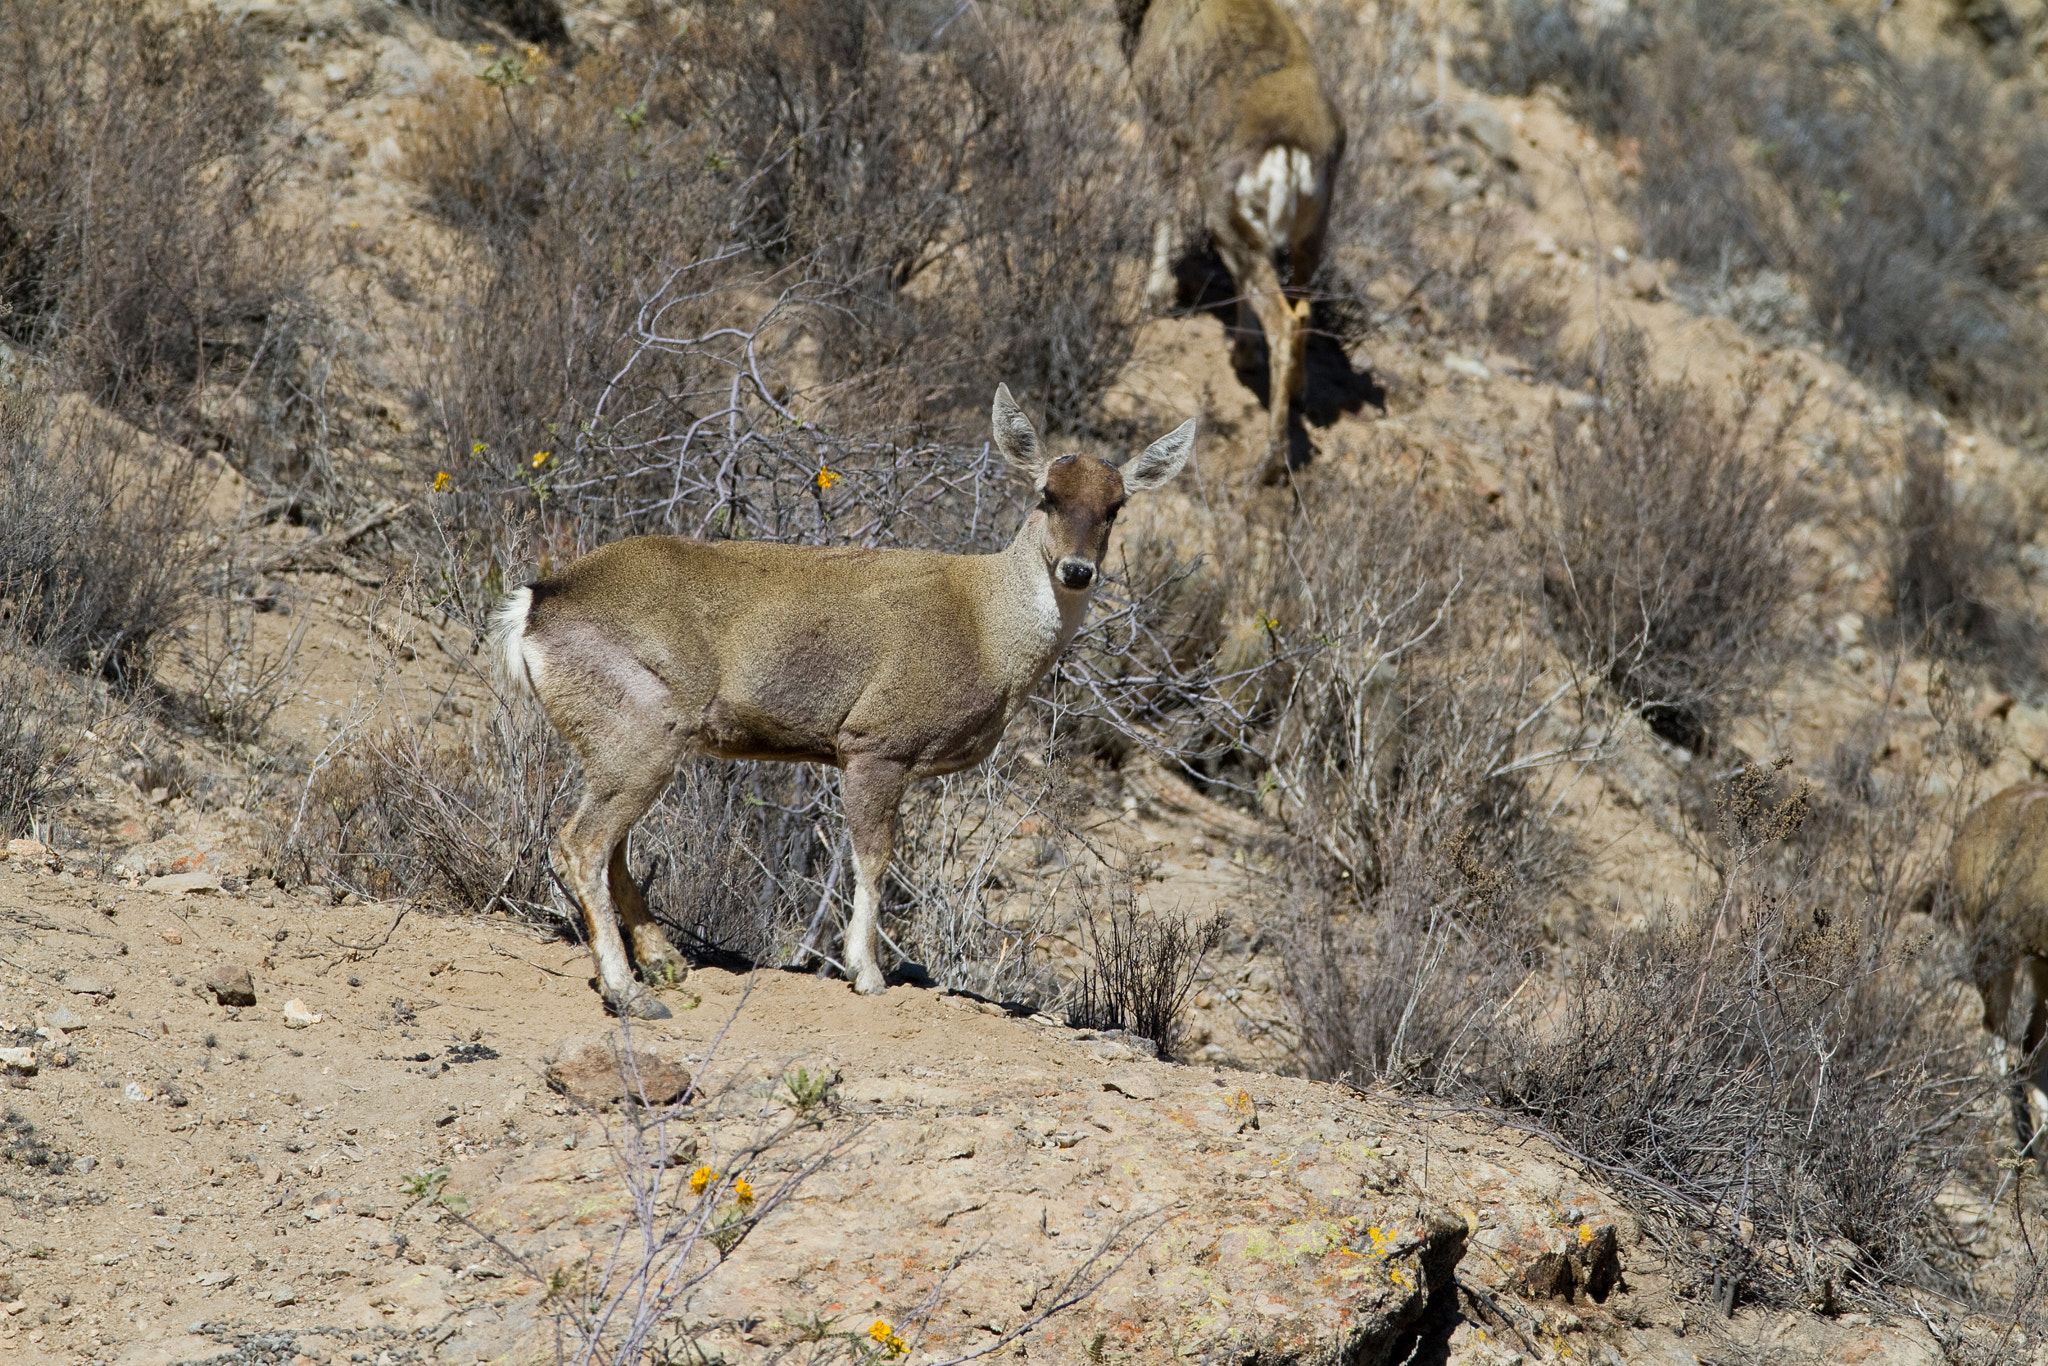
<point x="1076" y="573"/>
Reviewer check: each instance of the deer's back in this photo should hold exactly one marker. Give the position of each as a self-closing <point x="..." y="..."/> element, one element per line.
<point x="1228" y="79"/>
<point x="1998" y="868"/>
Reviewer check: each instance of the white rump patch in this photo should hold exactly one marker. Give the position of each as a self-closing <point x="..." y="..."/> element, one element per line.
<point x="1279" y="199"/>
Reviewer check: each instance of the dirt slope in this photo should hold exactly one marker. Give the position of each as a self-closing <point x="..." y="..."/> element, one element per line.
<point x="188" y="1181"/>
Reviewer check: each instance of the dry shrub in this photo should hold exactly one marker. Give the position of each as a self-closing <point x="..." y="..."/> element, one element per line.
<point x="38" y="742"/>
<point x="1399" y="759"/>
<point x="96" y="549"/>
<point x="1907" y="194"/>
<point x="1140" y="968"/>
<point x="1667" y="564"/>
<point x="1782" y="1081"/>
<point x="1954" y="583"/>
<point x="808" y="180"/>
<point x="132" y="246"/>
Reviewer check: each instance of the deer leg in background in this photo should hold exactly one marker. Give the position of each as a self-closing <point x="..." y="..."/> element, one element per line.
<point x="2029" y="1080"/>
<point x="1994" y="984"/>
<point x="874" y="791"/>
<point x="1161" y="290"/>
<point x="657" y="959"/>
<point x="1259" y="288"/>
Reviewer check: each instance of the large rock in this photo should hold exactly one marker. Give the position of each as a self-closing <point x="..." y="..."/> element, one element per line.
<point x="231" y="985"/>
<point x="598" y="1073"/>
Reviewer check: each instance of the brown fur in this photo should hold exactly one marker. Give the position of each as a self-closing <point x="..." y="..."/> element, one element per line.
<point x="1998" y="892"/>
<point x="1225" y="82"/>
<point x="893" y="665"/>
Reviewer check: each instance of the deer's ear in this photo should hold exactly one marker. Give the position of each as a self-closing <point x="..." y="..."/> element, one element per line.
<point x="1161" y="460"/>
<point x="1016" y="438"/>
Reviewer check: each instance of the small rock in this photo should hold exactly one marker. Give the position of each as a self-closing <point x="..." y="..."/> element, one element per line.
<point x="65" y="1018"/>
<point x="134" y="1093"/>
<point x="1465" y="365"/>
<point x="595" y="1074"/>
<point x="30" y="851"/>
<point x="1133" y="1083"/>
<point x="87" y="986"/>
<point x="214" y="1280"/>
<point x="82" y="1165"/>
<point x="231" y="985"/>
<point x="1644" y="281"/>
<point x="21" y="1061"/>
<point x="283" y="1296"/>
<point x="183" y="884"/>
<point x="172" y="936"/>
<point x="297" y="1015"/>
<point x="1482" y="123"/>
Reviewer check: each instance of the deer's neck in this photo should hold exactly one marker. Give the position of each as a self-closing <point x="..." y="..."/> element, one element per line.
<point x="1026" y="621"/>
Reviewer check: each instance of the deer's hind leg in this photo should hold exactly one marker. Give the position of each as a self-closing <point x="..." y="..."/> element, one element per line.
<point x="626" y="764"/>
<point x="656" y="957"/>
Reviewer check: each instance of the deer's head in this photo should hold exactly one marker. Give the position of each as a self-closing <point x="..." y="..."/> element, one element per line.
<point x="1079" y="496"/>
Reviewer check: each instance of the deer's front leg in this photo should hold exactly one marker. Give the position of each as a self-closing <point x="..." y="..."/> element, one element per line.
<point x="874" y="790"/>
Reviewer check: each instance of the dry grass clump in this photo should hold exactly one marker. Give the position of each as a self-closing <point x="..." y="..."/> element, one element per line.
<point x="737" y="227"/>
<point x="96" y="556"/>
<point x="1140" y="968"/>
<point x="1783" y="1080"/>
<point x="1907" y="195"/>
<point x="1954" y="582"/>
<point x="1667" y="561"/>
<point x="131" y="243"/>
<point x="1398" y="755"/>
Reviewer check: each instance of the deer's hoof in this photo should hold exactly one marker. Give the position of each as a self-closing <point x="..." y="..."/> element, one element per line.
<point x="870" y="982"/>
<point x="641" y="1005"/>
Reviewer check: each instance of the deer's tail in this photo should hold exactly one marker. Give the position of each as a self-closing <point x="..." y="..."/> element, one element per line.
<point x="508" y="644"/>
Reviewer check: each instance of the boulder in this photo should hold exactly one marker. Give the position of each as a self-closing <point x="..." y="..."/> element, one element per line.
<point x="599" y="1073"/>
<point x="231" y="985"/>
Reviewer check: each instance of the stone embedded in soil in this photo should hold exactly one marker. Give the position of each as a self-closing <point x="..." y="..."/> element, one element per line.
<point x="598" y="1074"/>
<point x="231" y="985"/>
<point x="298" y="1015"/>
<point x="64" y="1018"/>
<point x="183" y="884"/>
<point x="21" y="1060"/>
<point x="87" y="986"/>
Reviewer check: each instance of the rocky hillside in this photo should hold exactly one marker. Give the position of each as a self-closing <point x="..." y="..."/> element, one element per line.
<point x="1567" y="745"/>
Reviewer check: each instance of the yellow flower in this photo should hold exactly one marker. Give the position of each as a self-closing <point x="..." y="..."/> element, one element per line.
<point x="743" y="1191"/>
<point x="1268" y="623"/>
<point x="701" y="1178"/>
<point x="887" y="1338"/>
<point x="478" y="448"/>
<point x="827" y="477"/>
<point x="442" y="482"/>
<point x="541" y="458"/>
<point x="1585" y="1233"/>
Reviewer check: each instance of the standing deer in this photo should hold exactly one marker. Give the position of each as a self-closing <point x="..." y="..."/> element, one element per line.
<point x="1998" y="892"/>
<point x="892" y="665"/>
<point x="1232" y="86"/>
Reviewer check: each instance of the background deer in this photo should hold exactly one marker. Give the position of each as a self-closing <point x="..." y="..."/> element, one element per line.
<point x="1232" y="87"/>
<point x="1998" y="893"/>
<point x="892" y="665"/>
